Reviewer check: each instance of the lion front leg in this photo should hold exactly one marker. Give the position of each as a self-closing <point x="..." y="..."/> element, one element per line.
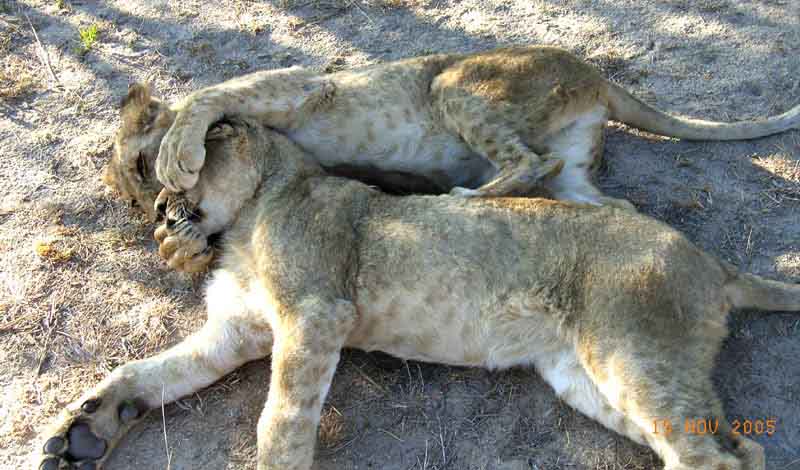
<point x="308" y="342"/>
<point x="280" y="99"/>
<point x="84" y="434"/>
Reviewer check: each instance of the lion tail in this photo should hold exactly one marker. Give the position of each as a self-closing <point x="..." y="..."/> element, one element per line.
<point x="751" y="291"/>
<point x="627" y="108"/>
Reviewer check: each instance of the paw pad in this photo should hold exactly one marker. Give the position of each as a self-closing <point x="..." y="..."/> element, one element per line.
<point x="128" y="412"/>
<point x="49" y="464"/>
<point x="83" y="444"/>
<point x="85" y="438"/>
<point x="91" y="405"/>
<point x="54" y="445"/>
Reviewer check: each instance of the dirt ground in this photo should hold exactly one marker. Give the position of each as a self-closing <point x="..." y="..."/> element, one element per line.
<point x="82" y="289"/>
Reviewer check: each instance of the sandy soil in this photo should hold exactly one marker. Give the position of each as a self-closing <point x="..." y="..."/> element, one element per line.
<point x="82" y="290"/>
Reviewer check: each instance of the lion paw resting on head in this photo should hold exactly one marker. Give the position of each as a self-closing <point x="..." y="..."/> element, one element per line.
<point x="621" y="314"/>
<point x="194" y="215"/>
<point x="492" y="123"/>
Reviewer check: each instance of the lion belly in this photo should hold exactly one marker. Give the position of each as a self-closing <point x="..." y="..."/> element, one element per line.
<point x="458" y="324"/>
<point x="390" y="129"/>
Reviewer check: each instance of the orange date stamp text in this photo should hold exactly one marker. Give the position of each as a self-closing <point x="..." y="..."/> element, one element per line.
<point x="702" y="426"/>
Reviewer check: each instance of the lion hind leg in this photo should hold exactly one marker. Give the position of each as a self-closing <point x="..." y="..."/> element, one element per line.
<point x="564" y="372"/>
<point x="580" y="145"/>
<point x="672" y="401"/>
<point x="492" y="131"/>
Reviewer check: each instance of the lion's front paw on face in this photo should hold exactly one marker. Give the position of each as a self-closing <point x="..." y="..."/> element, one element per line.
<point x="82" y="438"/>
<point x="180" y="158"/>
<point x="183" y="246"/>
<point x="182" y="243"/>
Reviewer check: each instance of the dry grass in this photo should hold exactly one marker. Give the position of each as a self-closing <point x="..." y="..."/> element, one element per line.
<point x="331" y="428"/>
<point x="85" y="303"/>
<point x="396" y="3"/>
<point x="317" y="4"/>
<point x="17" y="78"/>
<point x="783" y="174"/>
<point x="54" y="248"/>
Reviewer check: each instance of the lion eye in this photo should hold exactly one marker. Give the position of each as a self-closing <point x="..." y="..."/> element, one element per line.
<point x="141" y="166"/>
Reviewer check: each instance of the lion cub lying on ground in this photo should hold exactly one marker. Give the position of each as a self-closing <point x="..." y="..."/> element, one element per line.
<point x="618" y="312"/>
<point x="495" y="123"/>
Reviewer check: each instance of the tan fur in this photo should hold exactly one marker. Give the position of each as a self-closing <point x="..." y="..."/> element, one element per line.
<point x="492" y="123"/>
<point x="621" y="314"/>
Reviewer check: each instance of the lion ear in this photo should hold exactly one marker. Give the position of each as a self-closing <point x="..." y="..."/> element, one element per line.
<point x="139" y="95"/>
<point x="139" y="109"/>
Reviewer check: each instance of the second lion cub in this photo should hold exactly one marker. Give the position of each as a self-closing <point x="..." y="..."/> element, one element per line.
<point x="495" y="123"/>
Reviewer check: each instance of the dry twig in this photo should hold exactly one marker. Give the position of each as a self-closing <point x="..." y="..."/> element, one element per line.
<point x="45" y="58"/>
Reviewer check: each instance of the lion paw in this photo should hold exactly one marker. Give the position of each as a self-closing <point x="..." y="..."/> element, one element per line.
<point x="85" y="433"/>
<point x="180" y="157"/>
<point x="184" y="248"/>
<point x="181" y="242"/>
